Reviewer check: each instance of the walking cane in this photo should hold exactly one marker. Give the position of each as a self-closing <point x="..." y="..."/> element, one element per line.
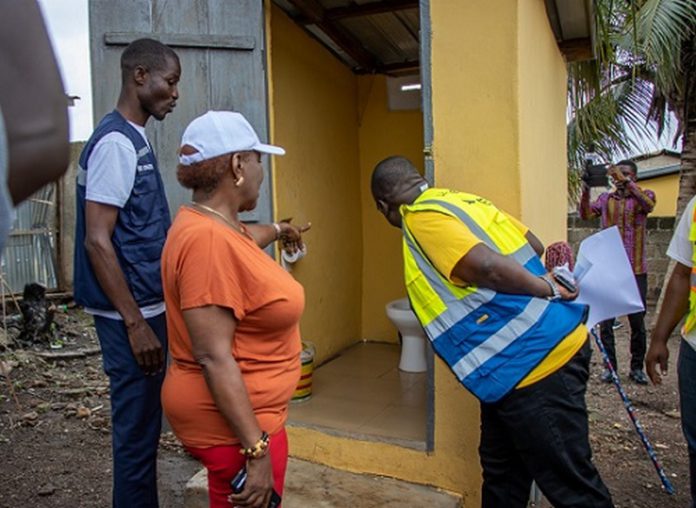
<point x="631" y="413"/>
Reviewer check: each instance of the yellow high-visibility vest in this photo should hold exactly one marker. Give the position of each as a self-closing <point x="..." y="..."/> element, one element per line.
<point x="690" y="322"/>
<point x="490" y="340"/>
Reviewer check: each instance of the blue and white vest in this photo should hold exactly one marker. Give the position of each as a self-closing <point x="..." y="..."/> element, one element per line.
<point x="140" y="230"/>
<point x="490" y="340"/>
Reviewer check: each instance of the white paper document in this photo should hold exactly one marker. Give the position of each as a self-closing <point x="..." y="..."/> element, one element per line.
<point x="605" y="278"/>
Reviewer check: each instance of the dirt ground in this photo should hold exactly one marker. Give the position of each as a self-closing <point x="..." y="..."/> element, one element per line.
<point x="55" y="443"/>
<point x="55" y="447"/>
<point x="618" y="451"/>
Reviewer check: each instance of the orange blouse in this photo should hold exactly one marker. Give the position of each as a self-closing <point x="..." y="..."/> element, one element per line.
<point x="206" y="263"/>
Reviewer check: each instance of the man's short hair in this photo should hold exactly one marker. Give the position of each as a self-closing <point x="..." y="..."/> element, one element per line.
<point x="389" y="173"/>
<point x="148" y="53"/>
<point x="630" y="164"/>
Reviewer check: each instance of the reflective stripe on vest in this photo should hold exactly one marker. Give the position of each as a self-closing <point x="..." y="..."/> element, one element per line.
<point x="490" y="340"/>
<point x="690" y="322"/>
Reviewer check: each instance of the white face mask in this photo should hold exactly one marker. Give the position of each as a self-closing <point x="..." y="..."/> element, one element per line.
<point x="7" y="209"/>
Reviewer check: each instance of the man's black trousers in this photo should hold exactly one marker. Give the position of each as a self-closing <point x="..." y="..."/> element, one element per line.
<point x="540" y="433"/>
<point x="637" y="323"/>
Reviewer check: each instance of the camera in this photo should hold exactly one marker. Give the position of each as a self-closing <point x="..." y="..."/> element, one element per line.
<point x="595" y="175"/>
<point x="595" y="172"/>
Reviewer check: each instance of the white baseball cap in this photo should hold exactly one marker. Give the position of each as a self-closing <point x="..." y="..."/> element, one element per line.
<point x="219" y="132"/>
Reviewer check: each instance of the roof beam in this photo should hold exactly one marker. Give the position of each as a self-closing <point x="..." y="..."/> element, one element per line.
<point x="398" y="66"/>
<point x="577" y="50"/>
<point x="353" y="11"/>
<point x="315" y="14"/>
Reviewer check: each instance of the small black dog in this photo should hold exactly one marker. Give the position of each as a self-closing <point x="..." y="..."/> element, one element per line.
<point x="38" y="316"/>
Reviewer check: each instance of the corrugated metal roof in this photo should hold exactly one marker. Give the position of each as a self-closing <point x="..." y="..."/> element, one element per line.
<point x="367" y="35"/>
<point x="386" y="36"/>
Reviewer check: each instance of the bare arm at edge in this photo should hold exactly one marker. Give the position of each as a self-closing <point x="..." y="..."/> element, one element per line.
<point x="33" y="101"/>
<point x="674" y="308"/>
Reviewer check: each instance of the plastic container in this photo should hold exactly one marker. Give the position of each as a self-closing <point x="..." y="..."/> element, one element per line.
<point x="304" y="386"/>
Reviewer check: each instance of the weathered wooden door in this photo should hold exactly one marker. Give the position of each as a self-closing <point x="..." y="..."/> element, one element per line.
<point x="221" y="47"/>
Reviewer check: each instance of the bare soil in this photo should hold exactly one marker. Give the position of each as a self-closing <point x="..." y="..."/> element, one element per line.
<point x="55" y="432"/>
<point x="618" y="451"/>
<point x="55" y="445"/>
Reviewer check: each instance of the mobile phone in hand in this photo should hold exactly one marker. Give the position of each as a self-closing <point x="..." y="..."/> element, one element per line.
<point x="237" y="483"/>
<point x="565" y="278"/>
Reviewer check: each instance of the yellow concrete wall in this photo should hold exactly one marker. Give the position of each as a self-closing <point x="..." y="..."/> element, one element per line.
<point x="666" y="189"/>
<point x="382" y="133"/>
<point x="313" y="110"/>
<point x="542" y="125"/>
<point x="475" y="98"/>
<point x="502" y="88"/>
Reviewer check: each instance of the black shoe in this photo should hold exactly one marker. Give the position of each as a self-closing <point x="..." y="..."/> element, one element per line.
<point x="605" y="377"/>
<point x="638" y="377"/>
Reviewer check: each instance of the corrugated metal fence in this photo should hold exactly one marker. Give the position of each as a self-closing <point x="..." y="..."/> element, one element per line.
<point x="30" y="255"/>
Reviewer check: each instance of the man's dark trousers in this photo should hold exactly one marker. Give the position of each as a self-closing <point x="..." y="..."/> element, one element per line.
<point x="686" y="371"/>
<point x="136" y="414"/>
<point x="637" y="323"/>
<point x="540" y="433"/>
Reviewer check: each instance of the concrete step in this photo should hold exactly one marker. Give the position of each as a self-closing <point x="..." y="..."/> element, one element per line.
<point x="309" y="485"/>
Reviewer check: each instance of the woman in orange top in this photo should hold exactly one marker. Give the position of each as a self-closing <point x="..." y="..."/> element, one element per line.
<point x="232" y="315"/>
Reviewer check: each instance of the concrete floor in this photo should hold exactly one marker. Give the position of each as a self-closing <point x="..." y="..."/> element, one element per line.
<point x="310" y="485"/>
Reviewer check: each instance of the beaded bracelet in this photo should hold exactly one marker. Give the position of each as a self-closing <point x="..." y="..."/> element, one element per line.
<point x="259" y="449"/>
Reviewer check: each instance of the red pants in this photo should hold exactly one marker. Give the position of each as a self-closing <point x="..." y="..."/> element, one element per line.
<point x="223" y="462"/>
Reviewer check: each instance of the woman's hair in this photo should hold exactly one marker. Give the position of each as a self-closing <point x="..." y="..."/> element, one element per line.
<point x="204" y="175"/>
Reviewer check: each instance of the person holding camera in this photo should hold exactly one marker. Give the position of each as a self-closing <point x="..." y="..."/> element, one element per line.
<point x="627" y="207"/>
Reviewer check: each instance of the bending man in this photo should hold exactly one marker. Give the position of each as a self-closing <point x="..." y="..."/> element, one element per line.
<point x="506" y="329"/>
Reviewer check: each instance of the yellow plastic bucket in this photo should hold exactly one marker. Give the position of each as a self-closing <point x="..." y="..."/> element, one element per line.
<point x="304" y="386"/>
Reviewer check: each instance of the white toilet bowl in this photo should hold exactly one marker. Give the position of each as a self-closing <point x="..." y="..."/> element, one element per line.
<point x="412" y="336"/>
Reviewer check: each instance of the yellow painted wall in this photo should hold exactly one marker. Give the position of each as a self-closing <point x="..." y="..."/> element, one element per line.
<point x="313" y="105"/>
<point x="475" y="113"/>
<point x="542" y="125"/>
<point x="382" y="133"/>
<point x="666" y="190"/>
<point x="504" y="87"/>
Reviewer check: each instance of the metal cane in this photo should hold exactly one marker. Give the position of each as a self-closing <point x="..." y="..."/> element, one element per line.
<point x="631" y="413"/>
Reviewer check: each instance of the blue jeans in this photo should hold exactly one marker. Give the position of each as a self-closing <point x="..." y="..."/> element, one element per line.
<point x="136" y="414"/>
<point x="686" y="370"/>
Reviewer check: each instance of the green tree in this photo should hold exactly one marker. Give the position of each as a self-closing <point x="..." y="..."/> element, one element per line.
<point x="645" y="69"/>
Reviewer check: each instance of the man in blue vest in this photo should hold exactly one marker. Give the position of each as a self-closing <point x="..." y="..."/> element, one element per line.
<point x="122" y="222"/>
<point x="507" y="330"/>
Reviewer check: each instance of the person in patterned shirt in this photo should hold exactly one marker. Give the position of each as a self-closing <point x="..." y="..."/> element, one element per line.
<point x="627" y="208"/>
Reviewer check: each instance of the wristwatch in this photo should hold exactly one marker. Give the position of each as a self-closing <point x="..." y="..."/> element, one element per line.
<point x="555" y="293"/>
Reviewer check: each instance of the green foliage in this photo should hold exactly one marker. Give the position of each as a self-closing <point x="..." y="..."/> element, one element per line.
<point x="636" y="80"/>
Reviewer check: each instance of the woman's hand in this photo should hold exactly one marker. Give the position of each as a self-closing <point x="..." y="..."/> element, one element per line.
<point x="291" y="235"/>
<point x="259" y="484"/>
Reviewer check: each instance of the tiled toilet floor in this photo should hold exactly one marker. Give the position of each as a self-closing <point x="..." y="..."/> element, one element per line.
<point x="362" y="393"/>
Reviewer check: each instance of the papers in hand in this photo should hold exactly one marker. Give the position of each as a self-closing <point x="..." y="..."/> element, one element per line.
<point x="605" y="278"/>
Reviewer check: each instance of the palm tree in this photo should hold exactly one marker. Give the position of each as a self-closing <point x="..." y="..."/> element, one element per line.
<point x="645" y="69"/>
